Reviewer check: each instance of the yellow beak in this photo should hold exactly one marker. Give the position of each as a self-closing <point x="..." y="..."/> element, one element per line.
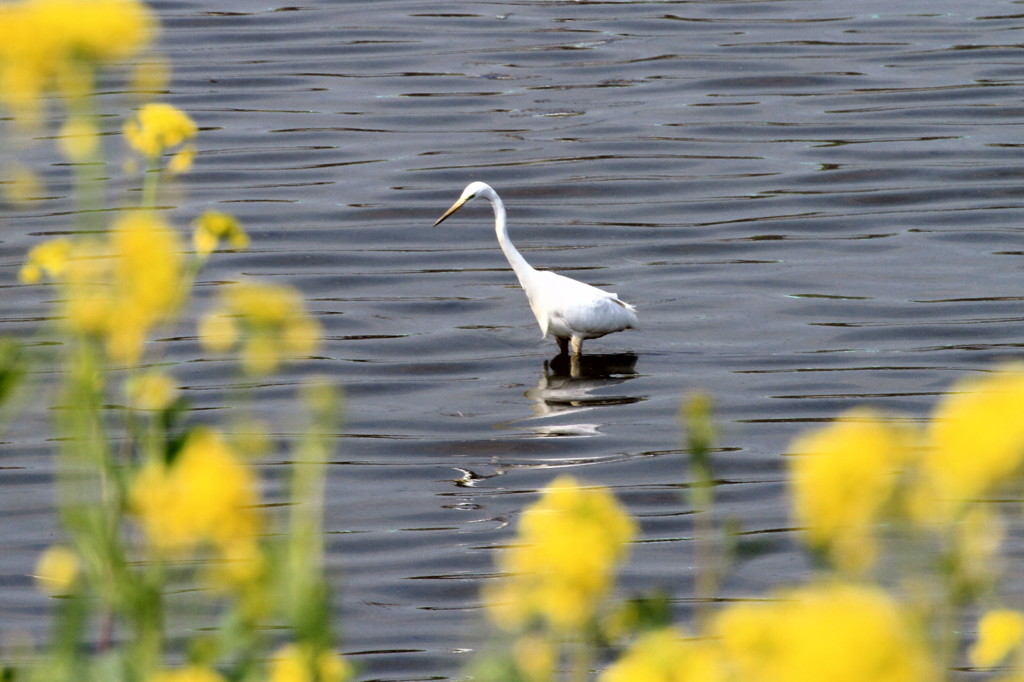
<point x="455" y="207"/>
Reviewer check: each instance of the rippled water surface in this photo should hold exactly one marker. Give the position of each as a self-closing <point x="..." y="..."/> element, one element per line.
<point x="813" y="205"/>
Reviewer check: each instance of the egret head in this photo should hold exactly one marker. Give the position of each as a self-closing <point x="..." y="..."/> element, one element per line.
<point x="471" y="192"/>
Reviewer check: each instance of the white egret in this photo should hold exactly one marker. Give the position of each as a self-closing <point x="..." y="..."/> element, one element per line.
<point x="565" y="309"/>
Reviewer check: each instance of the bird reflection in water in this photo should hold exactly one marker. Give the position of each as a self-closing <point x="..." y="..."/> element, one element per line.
<point x="565" y="387"/>
<point x="568" y="384"/>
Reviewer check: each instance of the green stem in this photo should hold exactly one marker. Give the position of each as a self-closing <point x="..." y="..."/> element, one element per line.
<point x="697" y="418"/>
<point x="70" y="616"/>
<point x="150" y="184"/>
<point x="142" y="614"/>
<point x="309" y="608"/>
<point x="89" y="174"/>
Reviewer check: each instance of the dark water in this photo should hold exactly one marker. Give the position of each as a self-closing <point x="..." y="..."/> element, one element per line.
<point x="813" y="206"/>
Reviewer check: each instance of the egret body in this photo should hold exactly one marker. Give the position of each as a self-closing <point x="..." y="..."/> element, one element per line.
<point x="565" y="309"/>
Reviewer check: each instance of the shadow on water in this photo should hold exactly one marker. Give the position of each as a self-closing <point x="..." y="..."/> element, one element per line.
<point x="569" y="385"/>
<point x="607" y="366"/>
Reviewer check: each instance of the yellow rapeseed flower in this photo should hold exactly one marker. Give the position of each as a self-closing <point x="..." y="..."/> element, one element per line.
<point x="48" y="259"/>
<point x="191" y="673"/>
<point x="151" y="77"/>
<point x="976" y="539"/>
<point x="842" y="477"/>
<point x="20" y="184"/>
<point x="298" y="663"/>
<point x="240" y="564"/>
<point x="151" y="391"/>
<point x="57" y="570"/>
<point x="976" y="439"/>
<point x="536" y="657"/>
<point x="87" y="280"/>
<point x="834" y="631"/>
<point x="332" y="667"/>
<point x="56" y="44"/>
<point x="206" y="495"/>
<point x="99" y="30"/>
<point x="119" y="286"/>
<point x="157" y="128"/>
<point x="1000" y="632"/>
<point x="271" y="320"/>
<point x="262" y="304"/>
<point x="214" y="227"/>
<point x="182" y="161"/>
<point x="667" y="655"/>
<point x="562" y="565"/>
<point x="148" y="282"/>
<point x="218" y="332"/>
<point x="79" y="139"/>
<point x="261" y="354"/>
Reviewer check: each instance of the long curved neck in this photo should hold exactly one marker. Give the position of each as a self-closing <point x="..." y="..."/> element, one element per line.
<point x="515" y="259"/>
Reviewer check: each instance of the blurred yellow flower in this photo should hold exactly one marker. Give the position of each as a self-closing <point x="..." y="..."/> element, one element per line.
<point x="119" y="286"/>
<point x="261" y="354"/>
<point x="240" y="564"/>
<point x="192" y="673"/>
<point x="536" y="657"/>
<point x="668" y="656"/>
<point x="48" y="259"/>
<point x="148" y="282"/>
<point x="157" y="128"/>
<point x="1000" y="632"/>
<point x="564" y="560"/>
<point x="834" y="631"/>
<point x="56" y="44"/>
<point x="262" y="304"/>
<point x="976" y="439"/>
<point x="182" y="161"/>
<point x="974" y="556"/>
<point x="87" y="280"/>
<point x="79" y="139"/>
<point x="842" y="477"/>
<point x="332" y="667"/>
<point x="218" y="332"/>
<point x="301" y="335"/>
<point x="20" y="184"/>
<point x="299" y="663"/>
<point x="205" y="495"/>
<point x="57" y="570"/>
<point x="213" y="227"/>
<point x="151" y="77"/>
<point x="151" y="391"/>
<point x="271" y="320"/>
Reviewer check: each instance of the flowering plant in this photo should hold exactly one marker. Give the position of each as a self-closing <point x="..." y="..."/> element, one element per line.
<point x="155" y="510"/>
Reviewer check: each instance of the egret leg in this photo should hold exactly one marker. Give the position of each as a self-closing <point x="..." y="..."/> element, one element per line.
<point x="577" y="346"/>
<point x="563" y="346"/>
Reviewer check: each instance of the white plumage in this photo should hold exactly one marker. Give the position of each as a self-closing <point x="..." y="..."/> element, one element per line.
<point x="567" y="310"/>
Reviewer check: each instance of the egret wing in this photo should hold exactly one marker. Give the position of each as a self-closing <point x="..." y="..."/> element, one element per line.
<point x="565" y="308"/>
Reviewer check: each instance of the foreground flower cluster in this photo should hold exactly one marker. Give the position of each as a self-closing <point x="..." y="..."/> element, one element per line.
<point x="58" y="45"/>
<point x="898" y="517"/>
<point x="562" y="566"/>
<point x="164" y="529"/>
<point x="117" y="286"/>
<point x="867" y="467"/>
